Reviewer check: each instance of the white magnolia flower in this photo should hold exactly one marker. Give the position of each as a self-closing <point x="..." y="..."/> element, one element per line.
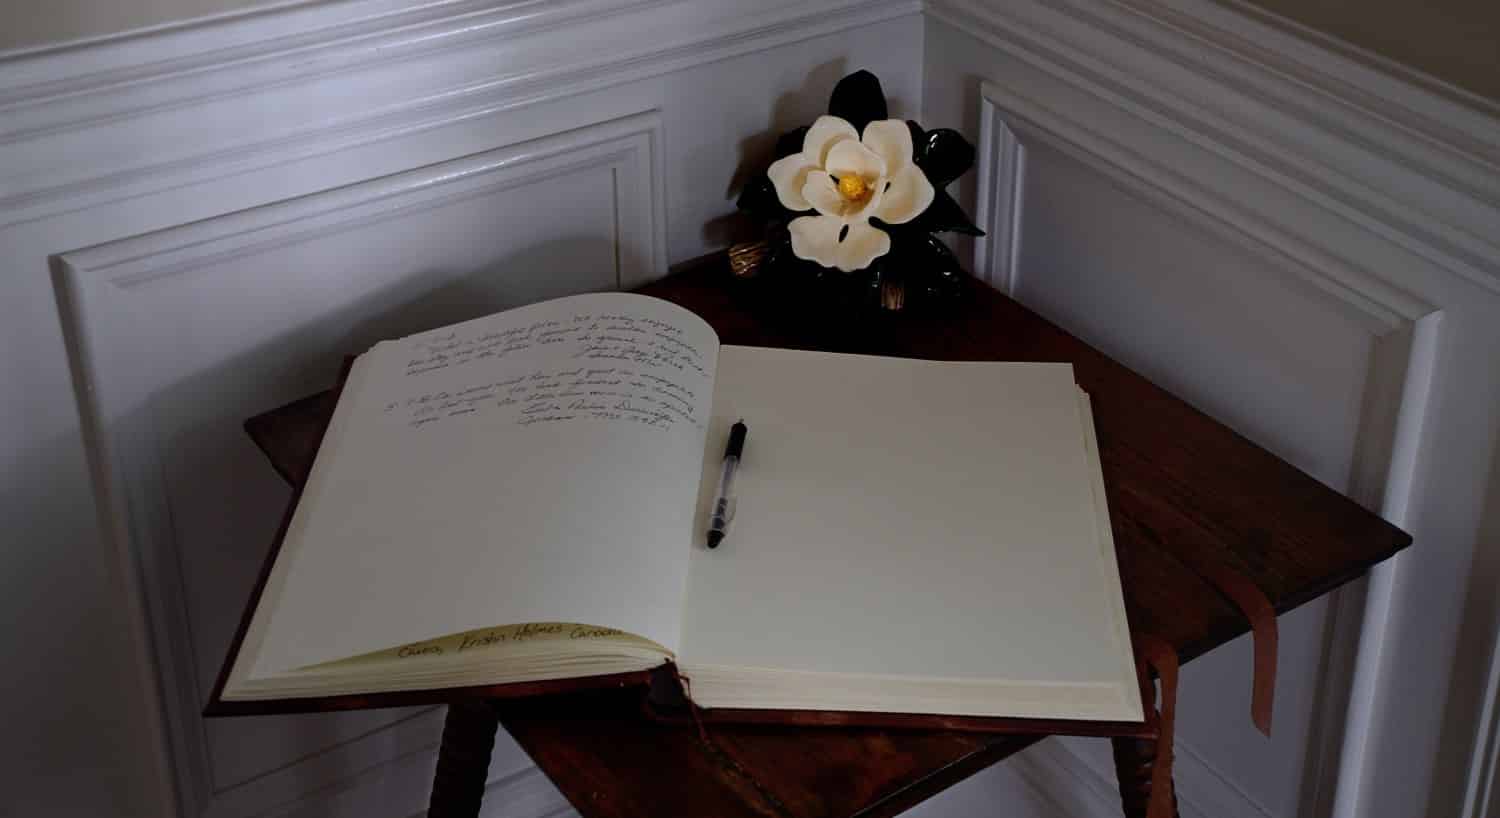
<point x="848" y="180"/>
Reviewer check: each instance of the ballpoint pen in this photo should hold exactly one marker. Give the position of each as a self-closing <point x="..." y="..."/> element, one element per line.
<point x="724" y="498"/>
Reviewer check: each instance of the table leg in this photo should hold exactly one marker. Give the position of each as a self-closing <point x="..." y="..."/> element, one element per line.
<point x="1134" y="760"/>
<point x="463" y="760"/>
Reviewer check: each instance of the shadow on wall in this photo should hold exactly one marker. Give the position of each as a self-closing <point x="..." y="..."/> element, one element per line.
<point x="434" y="298"/>
<point x="224" y="502"/>
<point x="66" y="643"/>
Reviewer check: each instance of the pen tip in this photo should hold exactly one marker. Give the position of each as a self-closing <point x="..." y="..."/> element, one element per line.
<point x="714" y="538"/>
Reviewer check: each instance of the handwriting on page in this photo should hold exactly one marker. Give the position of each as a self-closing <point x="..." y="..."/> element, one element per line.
<point x="605" y="337"/>
<point x="499" y="638"/>
<point x="509" y="634"/>
<point x="619" y="367"/>
<point x="555" y="395"/>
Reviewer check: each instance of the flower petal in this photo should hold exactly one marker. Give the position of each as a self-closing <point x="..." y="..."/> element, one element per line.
<point x="789" y="174"/>
<point x="891" y="140"/>
<point x="823" y="194"/>
<point x="909" y="194"/>
<point x="861" y="245"/>
<point x="852" y="157"/>
<point x="826" y="131"/>
<point x="816" y="238"/>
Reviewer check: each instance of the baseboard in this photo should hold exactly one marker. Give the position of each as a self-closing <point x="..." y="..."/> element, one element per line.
<point x="1058" y="777"/>
<point x="525" y="794"/>
<point x="1080" y="787"/>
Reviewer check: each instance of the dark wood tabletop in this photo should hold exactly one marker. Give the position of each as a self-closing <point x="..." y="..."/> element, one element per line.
<point x="1183" y="491"/>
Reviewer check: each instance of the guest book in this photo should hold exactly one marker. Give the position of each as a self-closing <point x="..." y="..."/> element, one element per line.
<point x="521" y="499"/>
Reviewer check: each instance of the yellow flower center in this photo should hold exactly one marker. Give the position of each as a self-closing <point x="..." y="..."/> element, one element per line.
<point x="853" y="188"/>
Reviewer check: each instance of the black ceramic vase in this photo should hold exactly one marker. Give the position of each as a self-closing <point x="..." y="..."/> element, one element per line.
<point x="917" y="272"/>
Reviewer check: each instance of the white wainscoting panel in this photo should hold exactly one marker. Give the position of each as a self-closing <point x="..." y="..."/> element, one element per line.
<point x="1123" y="198"/>
<point x="183" y="333"/>
<point x="1149" y="272"/>
<point x="1295" y="238"/>
<point x="1402" y="164"/>
<point x="261" y="194"/>
<point x="259" y="92"/>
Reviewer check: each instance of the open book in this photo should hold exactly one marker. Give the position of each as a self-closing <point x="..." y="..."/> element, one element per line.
<point x="524" y="497"/>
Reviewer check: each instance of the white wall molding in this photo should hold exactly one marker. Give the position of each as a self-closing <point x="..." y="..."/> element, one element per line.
<point x="105" y="287"/>
<point x="1009" y="119"/>
<point x="630" y="147"/>
<point x="1374" y="665"/>
<point x="187" y="62"/>
<point x="1278" y="50"/>
<point x="71" y="86"/>
<point x="1356" y="177"/>
<point x="370" y="73"/>
<point x="1423" y="174"/>
<point x="1000" y="201"/>
<point x="1193" y="181"/>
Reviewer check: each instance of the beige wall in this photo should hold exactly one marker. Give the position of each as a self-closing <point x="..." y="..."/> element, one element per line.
<point x="1454" y="40"/>
<point x="26" y="24"/>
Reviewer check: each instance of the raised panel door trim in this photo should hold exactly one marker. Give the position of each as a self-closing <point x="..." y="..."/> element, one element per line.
<point x="100" y="286"/>
<point x="1404" y="328"/>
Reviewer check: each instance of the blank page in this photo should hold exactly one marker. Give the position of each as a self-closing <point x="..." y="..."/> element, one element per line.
<point x="911" y="519"/>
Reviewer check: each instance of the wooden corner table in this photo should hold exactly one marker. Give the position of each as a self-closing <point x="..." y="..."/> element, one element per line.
<point x="1178" y="482"/>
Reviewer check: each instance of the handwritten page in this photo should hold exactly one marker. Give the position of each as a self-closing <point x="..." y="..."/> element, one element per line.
<point x="538" y="465"/>
<point x="614" y="365"/>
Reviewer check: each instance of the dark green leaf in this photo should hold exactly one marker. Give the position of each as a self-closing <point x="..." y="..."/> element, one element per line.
<point x="779" y="255"/>
<point x="922" y="251"/>
<point x="759" y="199"/>
<point x="933" y="274"/>
<point x="858" y="99"/>
<point x="944" y="156"/>
<point x="945" y="216"/>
